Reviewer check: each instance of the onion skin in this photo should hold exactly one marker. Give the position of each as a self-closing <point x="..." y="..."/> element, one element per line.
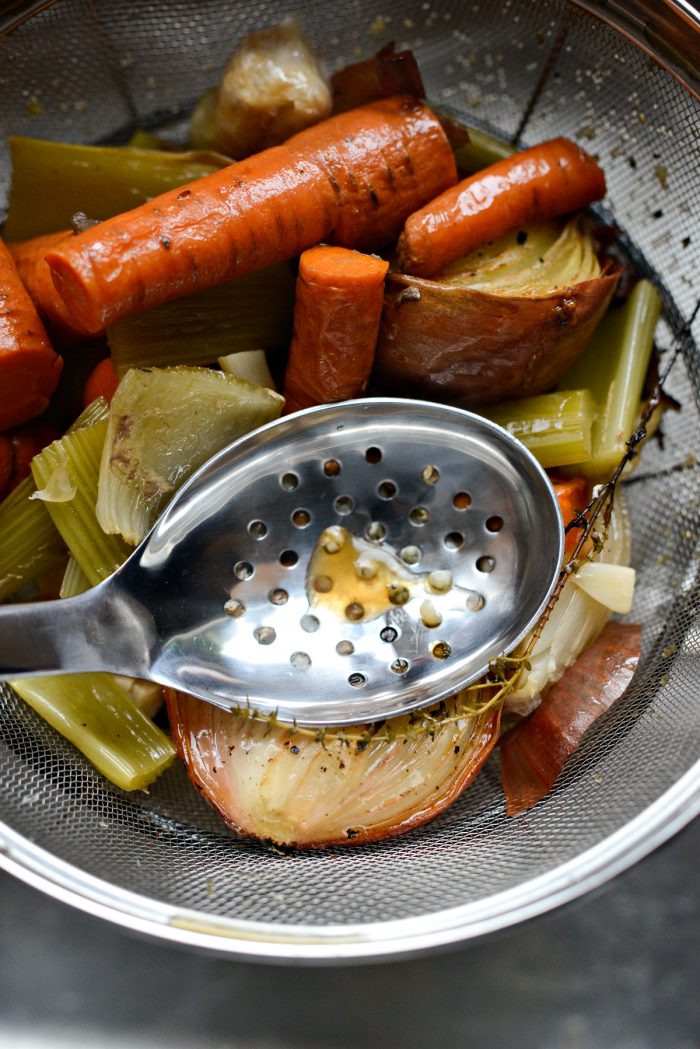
<point x="471" y="348"/>
<point x="534" y="752"/>
<point x="267" y="783"/>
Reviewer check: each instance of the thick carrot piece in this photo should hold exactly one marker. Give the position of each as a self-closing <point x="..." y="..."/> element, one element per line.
<point x="338" y="306"/>
<point x="29" y="368"/>
<point x="29" y="258"/>
<point x="102" y="382"/>
<point x="540" y="183"/>
<point x="27" y="441"/>
<point x="352" y="179"/>
<point x="572" y="495"/>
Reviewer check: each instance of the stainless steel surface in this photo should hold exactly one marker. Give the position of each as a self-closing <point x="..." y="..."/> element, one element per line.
<point x="222" y="600"/>
<point x="162" y="863"/>
<point x="616" y="971"/>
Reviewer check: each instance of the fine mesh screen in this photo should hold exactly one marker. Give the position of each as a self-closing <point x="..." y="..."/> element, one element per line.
<point x="85" y="71"/>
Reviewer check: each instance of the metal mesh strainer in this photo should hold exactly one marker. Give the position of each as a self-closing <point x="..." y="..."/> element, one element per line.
<point x="163" y="862"/>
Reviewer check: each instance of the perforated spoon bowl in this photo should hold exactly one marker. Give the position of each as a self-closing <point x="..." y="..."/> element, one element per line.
<point x="449" y="518"/>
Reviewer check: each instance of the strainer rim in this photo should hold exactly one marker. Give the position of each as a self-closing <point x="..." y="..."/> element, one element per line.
<point x="373" y="941"/>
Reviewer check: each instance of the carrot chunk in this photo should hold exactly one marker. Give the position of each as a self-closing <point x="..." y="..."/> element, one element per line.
<point x="352" y="179"/>
<point x="337" y="310"/>
<point x="29" y="367"/>
<point x="572" y="495"/>
<point x="102" y="382"/>
<point x="544" y="182"/>
<point x="29" y="258"/>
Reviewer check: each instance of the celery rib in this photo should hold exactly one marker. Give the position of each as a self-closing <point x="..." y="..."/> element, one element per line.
<point x="613" y="367"/>
<point x="29" y="541"/>
<point x="99" y="717"/>
<point x="97" y="554"/>
<point x="555" y="427"/>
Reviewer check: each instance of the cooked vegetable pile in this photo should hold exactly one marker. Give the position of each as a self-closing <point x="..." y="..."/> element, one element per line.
<point x="317" y="241"/>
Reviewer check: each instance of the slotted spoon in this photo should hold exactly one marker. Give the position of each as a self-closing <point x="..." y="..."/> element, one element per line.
<point x="219" y="601"/>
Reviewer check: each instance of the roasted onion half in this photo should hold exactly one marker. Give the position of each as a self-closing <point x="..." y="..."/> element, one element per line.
<point x="505" y="321"/>
<point x="293" y="789"/>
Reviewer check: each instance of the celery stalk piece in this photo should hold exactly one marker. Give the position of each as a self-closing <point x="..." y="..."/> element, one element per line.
<point x="555" y="427"/>
<point x="481" y="151"/>
<point x="249" y="313"/>
<point x="74" y="580"/>
<point x="78" y="453"/>
<point x="613" y="367"/>
<point x="51" y="181"/>
<point x="100" y="718"/>
<point x="29" y="541"/>
<point x="250" y="365"/>
<point x="163" y="424"/>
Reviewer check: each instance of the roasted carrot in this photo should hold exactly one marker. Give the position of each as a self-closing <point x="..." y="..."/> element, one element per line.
<point x="338" y="305"/>
<point x="31" y="265"/>
<point x="29" y="367"/>
<point x="27" y="441"/>
<point x="352" y="179"/>
<point x="572" y="496"/>
<point x="389" y="72"/>
<point x="102" y="382"/>
<point x="548" y="180"/>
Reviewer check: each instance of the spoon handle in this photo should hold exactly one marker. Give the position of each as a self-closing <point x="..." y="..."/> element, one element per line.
<point x="97" y="630"/>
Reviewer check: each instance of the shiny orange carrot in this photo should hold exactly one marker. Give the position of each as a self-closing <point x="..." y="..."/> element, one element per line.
<point x="29" y="367"/>
<point x="338" y="305"/>
<point x="548" y="180"/>
<point x="352" y="179"/>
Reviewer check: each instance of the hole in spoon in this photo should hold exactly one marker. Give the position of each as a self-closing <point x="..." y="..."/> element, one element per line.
<point x="289" y="482"/>
<point x="373" y="455"/>
<point x="357" y="680"/>
<point x="300" y="660"/>
<point x="243" y="570"/>
<point x="461" y="500"/>
<point x="387" y="490"/>
<point x="399" y="666"/>
<point x="344" y="504"/>
<point x="419" y="516"/>
<point x="486" y="563"/>
<point x="264" y="635"/>
<point x="454" y="540"/>
<point x="301" y="518"/>
<point x="345" y="648"/>
<point x="288" y="558"/>
<point x="331" y="468"/>
<point x="430" y="474"/>
<point x="494" y="523"/>
<point x="257" y="529"/>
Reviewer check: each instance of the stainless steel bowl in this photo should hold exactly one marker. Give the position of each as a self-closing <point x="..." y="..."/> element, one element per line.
<point x="621" y="78"/>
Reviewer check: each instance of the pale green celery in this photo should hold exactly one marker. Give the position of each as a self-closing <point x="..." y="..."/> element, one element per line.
<point x="79" y="452"/>
<point x="163" y="424"/>
<point x="249" y="313"/>
<point x="99" y="717"/>
<point x="29" y="541"/>
<point x="51" y="181"/>
<point x="555" y="427"/>
<point x="613" y="367"/>
<point x="74" y="580"/>
<point x="531" y="261"/>
<point x="481" y="151"/>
